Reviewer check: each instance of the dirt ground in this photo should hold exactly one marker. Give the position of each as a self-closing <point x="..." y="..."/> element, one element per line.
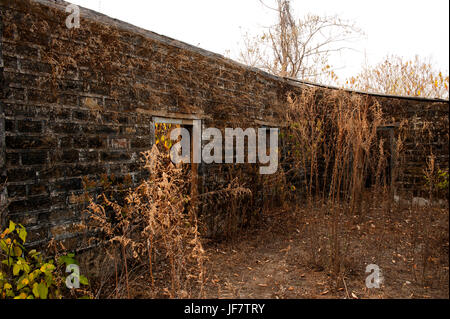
<point x="288" y="257"/>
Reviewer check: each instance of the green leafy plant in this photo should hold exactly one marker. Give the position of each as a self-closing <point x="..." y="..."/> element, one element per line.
<point x="27" y="274"/>
<point x="437" y="180"/>
<point x="442" y="180"/>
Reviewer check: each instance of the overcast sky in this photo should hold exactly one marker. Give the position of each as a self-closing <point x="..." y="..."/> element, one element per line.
<point x="401" y="27"/>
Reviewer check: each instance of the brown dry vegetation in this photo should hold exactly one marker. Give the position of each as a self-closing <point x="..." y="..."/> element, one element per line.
<point x="314" y="240"/>
<point x="154" y="227"/>
<point x="290" y="256"/>
<point x="331" y="213"/>
<point x="344" y="217"/>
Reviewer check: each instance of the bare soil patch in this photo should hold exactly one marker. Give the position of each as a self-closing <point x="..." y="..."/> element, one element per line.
<point x="289" y="256"/>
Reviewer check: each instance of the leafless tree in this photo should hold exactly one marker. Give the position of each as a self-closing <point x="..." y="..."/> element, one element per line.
<point x="298" y="48"/>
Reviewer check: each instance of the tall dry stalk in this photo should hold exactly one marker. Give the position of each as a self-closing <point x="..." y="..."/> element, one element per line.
<point x="334" y="138"/>
<point x="156" y="228"/>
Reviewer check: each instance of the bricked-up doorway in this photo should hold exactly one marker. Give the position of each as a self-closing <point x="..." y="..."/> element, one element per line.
<point x="386" y="134"/>
<point x="191" y="169"/>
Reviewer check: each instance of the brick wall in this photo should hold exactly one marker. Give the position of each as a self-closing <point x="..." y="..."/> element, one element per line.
<point x="78" y="104"/>
<point x="3" y="191"/>
<point x="65" y="122"/>
<point x="426" y="132"/>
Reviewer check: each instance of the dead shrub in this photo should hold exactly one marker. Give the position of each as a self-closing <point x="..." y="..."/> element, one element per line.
<point x="155" y="229"/>
<point x="333" y="139"/>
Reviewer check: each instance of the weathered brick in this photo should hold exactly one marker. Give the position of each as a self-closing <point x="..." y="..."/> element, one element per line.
<point x="10" y="62"/>
<point x="33" y="66"/>
<point x="37" y="234"/>
<point x="70" y="156"/>
<point x="28" y="126"/>
<point x="12" y="159"/>
<point x="10" y="125"/>
<point x="21" y="174"/>
<point x="16" y="191"/>
<point x="89" y="156"/>
<point x="141" y="142"/>
<point x="37" y="189"/>
<point x="119" y="143"/>
<point x="68" y="99"/>
<point x="21" y="50"/>
<point x="26" y="219"/>
<point x="12" y="93"/>
<point x="55" y="171"/>
<point x="30" y="142"/>
<point x="41" y="96"/>
<point x="65" y="142"/>
<point x="35" y="158"/>
<point x="24" y="80"/>
<point x="64" y="231"/>
<point x="81" y="115"/>
<point x="66" y="128"/>
<point x="67" y="185"/>
<point x="115" y="156"/>
<point x="16" y="110"/>
<point x="97" y="142"/>
<point x="29" y="205"/>
<point x="62" y="215"/>
<point x="70" y="85"/>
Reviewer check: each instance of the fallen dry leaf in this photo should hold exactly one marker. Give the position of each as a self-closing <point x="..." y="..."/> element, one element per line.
<point x="285" y="249"/>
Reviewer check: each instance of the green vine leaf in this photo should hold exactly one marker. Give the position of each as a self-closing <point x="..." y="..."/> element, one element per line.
<point x="84" y="280"/>
<point x="12" y="226"/>
<point x="42" y="290"/>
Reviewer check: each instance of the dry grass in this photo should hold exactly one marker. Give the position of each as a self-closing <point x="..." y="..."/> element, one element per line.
<point x="154" y="233"/>
<point x="330" y="224"/>
<point x="336" y="149"/>
<point x="331" y="150"/>
<point x="289" y="256"/>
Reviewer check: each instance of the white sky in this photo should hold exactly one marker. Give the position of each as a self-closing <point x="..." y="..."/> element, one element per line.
<point x="401" y="27"/>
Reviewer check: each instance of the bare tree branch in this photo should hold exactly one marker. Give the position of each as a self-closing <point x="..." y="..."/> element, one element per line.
<point x="299" y="48"/>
